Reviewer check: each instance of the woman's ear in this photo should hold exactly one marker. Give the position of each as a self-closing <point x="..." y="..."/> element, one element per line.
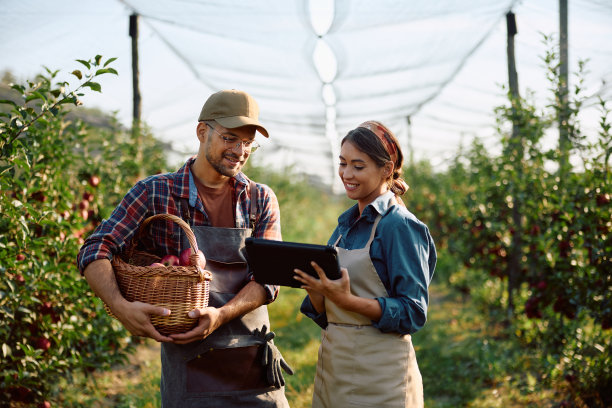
<point x="389" y="167"/>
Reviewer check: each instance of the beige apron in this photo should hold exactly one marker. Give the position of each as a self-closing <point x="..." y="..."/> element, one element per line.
<point x="358" y="365"/>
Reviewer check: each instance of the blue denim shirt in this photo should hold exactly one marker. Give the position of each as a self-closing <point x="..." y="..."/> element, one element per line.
<point x="403" y="254"/>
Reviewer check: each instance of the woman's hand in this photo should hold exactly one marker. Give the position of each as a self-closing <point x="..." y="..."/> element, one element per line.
<point x="337" y="291"/>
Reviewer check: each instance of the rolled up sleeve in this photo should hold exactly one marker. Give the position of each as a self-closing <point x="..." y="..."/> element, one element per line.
<point x="113" y="234"/>
<point x="410" y="261"/>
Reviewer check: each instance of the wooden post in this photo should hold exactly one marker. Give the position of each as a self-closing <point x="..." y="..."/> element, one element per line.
<point x="136" y="132"/>
<point x="515" y="147"/>
<point x="410" y="148"/>
<point x="564" y="142"/>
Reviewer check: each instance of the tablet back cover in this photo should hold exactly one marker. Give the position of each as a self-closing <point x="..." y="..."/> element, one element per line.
<point x="273" y="262"/>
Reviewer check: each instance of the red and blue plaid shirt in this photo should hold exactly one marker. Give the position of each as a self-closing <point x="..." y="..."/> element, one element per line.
<point x="176" y="194"/>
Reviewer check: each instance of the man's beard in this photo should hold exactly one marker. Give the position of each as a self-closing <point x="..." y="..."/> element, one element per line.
<point x="216" y="164"/>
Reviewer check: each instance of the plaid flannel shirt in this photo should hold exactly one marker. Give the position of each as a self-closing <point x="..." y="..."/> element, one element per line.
<point x="175" y="193"/>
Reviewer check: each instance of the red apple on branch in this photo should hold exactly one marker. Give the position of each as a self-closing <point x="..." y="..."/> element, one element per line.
<point x="94" y="181"/>
<point x="42" y="343"/>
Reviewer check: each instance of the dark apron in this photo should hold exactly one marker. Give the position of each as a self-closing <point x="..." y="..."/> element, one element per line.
<point x="224" y="369"/>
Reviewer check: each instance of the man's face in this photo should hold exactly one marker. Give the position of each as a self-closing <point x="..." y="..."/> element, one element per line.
<point x="226" y="150"/>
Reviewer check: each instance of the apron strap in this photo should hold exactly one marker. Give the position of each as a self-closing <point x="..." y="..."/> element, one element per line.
<point x="376" y="221"/>
<point x="338" y="240"/>
<point x="378" y="218"/>
<point x="253" y="210"/>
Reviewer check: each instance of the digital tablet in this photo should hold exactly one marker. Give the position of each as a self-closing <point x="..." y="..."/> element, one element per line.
<point x="273" y="262"/>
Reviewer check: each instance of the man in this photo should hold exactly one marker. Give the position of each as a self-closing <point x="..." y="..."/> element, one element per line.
<point x="220" y="361"/>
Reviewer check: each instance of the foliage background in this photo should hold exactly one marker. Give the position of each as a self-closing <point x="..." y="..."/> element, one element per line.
<point x="541" y="324"/>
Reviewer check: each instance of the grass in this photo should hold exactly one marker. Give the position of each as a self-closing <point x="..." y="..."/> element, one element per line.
<point x="465" y="362"/>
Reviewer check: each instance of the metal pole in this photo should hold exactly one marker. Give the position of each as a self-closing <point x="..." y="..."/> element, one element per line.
<point x="564" y="142"/>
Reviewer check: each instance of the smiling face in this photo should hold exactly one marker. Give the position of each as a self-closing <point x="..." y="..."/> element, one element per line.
<point x="227" y="159"/>
<point x="363" y="179"/>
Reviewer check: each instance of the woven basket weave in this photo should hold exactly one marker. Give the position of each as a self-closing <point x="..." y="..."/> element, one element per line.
<point x="178" y="288"/>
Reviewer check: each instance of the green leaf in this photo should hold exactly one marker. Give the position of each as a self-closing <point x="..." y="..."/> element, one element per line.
<point x="35" y="95"/>
<point x="109" y="61"/>
<point x="86" y="63"/>
<point x="94" y="86"/>
<point x="113" y="71"/>
<point x="68" y="99"/>
<point x="18" y="88"/>
<point x="6" y="350"/>
<point x="8" y="102"/>
<point x="77" y="73"/>
<point x="98" y="59"/>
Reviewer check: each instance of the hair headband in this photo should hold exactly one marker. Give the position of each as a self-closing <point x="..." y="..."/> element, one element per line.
<point x="384" y="135"/>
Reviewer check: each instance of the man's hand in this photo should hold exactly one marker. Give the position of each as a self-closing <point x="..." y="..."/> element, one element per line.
<point x="135" y="317"/>
<point x="209" y="320"/>
<point x="250" y="297"/>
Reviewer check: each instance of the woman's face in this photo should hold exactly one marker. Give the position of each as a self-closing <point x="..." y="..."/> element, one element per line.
<point x="363" y="180"/>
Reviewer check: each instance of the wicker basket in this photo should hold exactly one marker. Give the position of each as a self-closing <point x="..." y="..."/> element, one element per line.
<point x="178" y="288"/>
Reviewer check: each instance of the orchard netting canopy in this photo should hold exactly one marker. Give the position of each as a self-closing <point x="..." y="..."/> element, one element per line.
<point x="317" y="68"/>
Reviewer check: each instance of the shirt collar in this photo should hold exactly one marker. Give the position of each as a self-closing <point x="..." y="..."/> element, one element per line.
<point x="380" y="205"/>
<point x="185" y="187"/>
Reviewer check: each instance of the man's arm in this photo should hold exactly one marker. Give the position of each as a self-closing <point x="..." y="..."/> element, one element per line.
<point x="133" y="315"/>
<point x="250" y="297"/>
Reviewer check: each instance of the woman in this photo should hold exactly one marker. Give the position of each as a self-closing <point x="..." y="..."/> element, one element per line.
<point x="387" y="259"/>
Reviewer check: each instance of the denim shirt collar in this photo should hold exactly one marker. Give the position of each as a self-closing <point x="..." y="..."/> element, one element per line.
<point x="380" y="205"/>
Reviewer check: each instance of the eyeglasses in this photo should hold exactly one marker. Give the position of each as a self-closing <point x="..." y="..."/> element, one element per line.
<point x="234" y="142"/>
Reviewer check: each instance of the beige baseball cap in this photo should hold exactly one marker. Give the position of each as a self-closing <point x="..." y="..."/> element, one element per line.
<point x="232" y="108"/>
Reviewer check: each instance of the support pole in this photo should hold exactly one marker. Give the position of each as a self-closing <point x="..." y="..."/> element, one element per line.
<point x="410" y="147"/>
<point x="515" y="147"/>
<point x="136" y="131"/>
<point x="564" y="142"/>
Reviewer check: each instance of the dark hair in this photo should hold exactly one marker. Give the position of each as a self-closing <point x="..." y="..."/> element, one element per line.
<point x="367" y="142"/>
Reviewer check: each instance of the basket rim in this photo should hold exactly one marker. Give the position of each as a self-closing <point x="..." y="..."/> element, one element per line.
<point x="194" y="268"/>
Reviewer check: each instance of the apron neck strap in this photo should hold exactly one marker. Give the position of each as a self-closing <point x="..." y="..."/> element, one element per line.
<point x="376" y="221"/>
<point x="374" y="225"/>
<point x="253" y="210"/>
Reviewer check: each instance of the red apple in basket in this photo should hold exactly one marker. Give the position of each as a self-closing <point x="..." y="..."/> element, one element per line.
<point x="184" y="258"/>
<point x="157" y="265"/>
<point x="170" y="260"/>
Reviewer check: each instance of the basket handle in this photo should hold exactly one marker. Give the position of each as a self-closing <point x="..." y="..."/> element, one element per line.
<point x="193" y="259"/>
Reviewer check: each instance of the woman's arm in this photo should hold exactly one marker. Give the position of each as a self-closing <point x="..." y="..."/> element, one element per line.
<point x="409" y="256"/>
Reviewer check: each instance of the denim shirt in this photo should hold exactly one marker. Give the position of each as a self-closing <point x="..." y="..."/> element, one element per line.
<point x="404" y="256"/>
